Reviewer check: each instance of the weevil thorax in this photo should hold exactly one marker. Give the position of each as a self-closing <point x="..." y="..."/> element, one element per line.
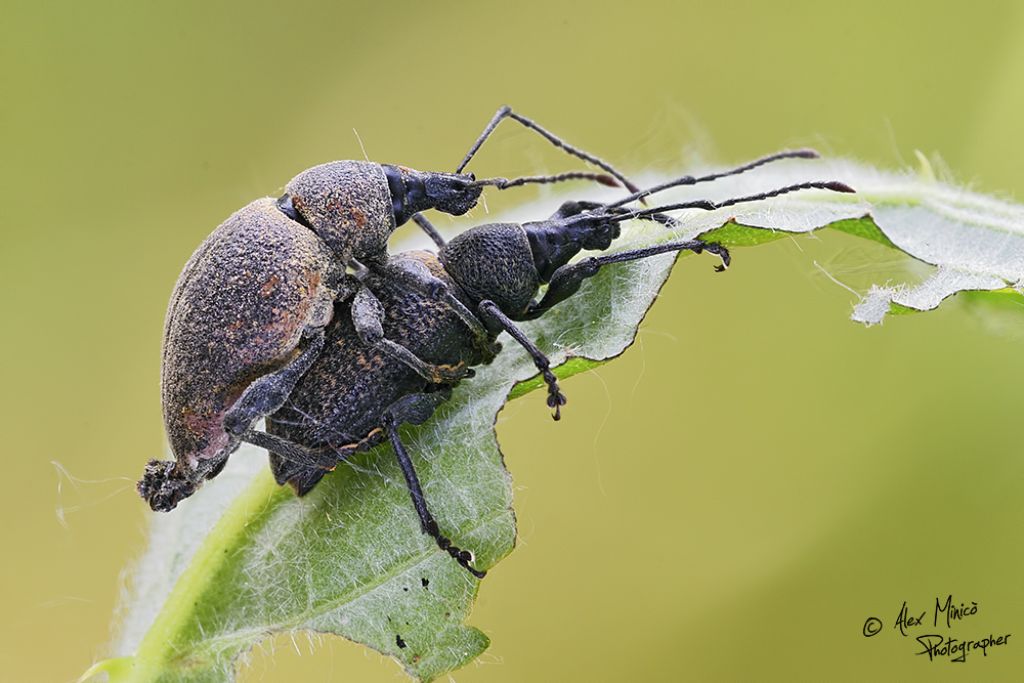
<point x="414" y="191"/>
<point x="347" y="204"/>
<point x="554" y="242"/>
<point x="493" y="262"/>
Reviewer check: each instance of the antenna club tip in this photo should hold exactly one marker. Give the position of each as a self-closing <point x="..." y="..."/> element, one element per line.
<point x="608" y="180"/>
<point x="807" y="153"/>
<point x="837" y="186"/>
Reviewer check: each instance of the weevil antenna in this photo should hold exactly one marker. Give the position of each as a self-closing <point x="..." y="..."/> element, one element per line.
<point x="693" y="180"/>
<point x="708" y="205"/>
<point x="506" y="112"/>
<point x="505" y="183"/>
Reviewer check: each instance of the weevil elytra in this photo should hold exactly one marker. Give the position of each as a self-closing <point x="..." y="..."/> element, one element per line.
<point x="359" y="390"/>
<point x="247" y="314"/>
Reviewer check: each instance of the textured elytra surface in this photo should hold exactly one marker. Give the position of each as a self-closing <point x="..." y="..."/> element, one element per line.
<point x="238" y="309"/>
<point x="343" y="396"/>
<point x="349" y="558"/>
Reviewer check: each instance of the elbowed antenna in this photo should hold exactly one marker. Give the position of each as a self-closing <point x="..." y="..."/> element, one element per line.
<point x="594" y="227"/>
<point x="693" y="180"/>
<point x="505" y="183"/>
<point x="707" y="205"/>
<point x="506" y="112"/>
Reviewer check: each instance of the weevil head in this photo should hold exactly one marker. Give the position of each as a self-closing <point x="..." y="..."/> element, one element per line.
<point x="493" y="262"/>
<point x="452" y="193"/>
<point x="414" y="191"/>
<point x="554" y="242"/>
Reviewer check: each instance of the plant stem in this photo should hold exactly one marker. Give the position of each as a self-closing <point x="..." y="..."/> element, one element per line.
<point x="156" y="654"/>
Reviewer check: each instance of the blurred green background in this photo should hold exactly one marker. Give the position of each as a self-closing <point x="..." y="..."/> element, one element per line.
<point x="728" y="501"/>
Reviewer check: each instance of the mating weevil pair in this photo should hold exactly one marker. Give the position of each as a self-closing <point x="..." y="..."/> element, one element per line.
<point x="267" y="322"/>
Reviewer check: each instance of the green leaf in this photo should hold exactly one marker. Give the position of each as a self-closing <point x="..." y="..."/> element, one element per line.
<point x="975" y="242"/>
<point x="244" y="559"/>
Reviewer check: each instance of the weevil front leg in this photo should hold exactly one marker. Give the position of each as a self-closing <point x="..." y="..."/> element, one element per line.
<point x="566" y="280"/>
<point x="428" y="227"/>
<point x="268" y="393"/>
<point x="368" y="318"/>
<point x="324" y="458"/>
<point x="556" y="399"/>
<point x="416" y="409"/>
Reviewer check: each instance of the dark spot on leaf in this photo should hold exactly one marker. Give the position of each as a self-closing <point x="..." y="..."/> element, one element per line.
<point x="424" y="581"/>
<point x="399" y="641"/>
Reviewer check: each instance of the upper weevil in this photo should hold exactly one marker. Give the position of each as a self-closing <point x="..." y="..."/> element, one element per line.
<point x="247" y="314"/>
<point x="392" y="353"/>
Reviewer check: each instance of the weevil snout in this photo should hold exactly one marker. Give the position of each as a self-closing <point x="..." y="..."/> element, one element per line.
<point x="600" y="235"/>
<point x="554" y="242"/>
<point x="453" y="193"/>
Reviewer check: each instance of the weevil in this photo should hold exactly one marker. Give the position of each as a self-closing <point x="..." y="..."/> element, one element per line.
<point x="247" y="314"/>
<point x="359" y="390"/>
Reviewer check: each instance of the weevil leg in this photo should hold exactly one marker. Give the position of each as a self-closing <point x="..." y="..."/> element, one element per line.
<point x="368" y="318"/>
<point x="428" y="227"/>
<point x="556" y="399"/>
<point x="268" y="393"/>
<point x="506" y="112"/>
<point x="415" y="275"/>
<point x="303" y="466"/>
<point x="360" y="271"/>
<point x="324" y="458"/>
<point x="566" y="280"/>
<point x="415" y="409"/>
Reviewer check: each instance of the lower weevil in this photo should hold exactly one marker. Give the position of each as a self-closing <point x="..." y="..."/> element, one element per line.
<point x="392" y="353"/>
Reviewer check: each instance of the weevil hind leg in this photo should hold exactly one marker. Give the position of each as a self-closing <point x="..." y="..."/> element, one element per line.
<point x="415" y="409"/>
<point x="267" y="394"/>
<point x="301" y="466"/>
<point x="325" y="458"/>
<point x="301" y="477"/>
